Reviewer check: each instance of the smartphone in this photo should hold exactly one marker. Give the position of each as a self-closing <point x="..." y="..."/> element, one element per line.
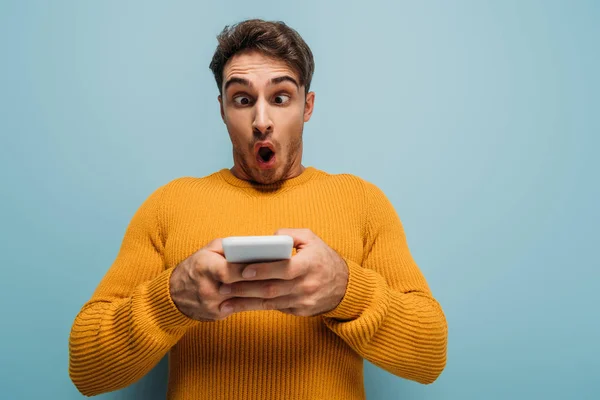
<point x="249" y="249"/>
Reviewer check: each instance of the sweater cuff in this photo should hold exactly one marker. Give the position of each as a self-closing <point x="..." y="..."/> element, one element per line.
<point x="361" y="287"/>
<point x="163" y="310"/>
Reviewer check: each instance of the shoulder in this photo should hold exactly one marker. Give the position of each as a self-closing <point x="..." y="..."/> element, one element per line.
<point x="372" y="198"/>
<point x="176" y="189"/>
<point x="186" y="183"/>
<point x="353" y="183"/>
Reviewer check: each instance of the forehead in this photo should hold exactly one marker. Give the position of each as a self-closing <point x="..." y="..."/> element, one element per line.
<point x="256" y="66"/>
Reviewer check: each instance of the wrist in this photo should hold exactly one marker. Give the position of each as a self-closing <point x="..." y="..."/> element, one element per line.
<point x="359" y="292"/>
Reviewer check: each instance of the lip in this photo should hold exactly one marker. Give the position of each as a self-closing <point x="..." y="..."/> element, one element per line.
<point x="259" y="160"/>
<point x="258" y="145"/>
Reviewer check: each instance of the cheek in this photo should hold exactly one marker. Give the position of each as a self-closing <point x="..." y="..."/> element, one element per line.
<point x="237" y="119"/>
<point x="239" y="127"/>
<point x="291" y="121"/>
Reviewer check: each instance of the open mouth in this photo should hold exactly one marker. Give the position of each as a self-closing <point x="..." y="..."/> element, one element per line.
<point x="265" y="154"/>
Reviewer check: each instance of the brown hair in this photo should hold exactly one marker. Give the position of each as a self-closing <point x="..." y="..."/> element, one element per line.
<point x="272" y="38"/>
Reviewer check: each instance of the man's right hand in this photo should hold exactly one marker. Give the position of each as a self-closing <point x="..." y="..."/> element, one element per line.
<point x="195" y="282"/>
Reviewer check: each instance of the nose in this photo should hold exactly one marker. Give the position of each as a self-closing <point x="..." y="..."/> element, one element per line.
<point x="262" y="120"/>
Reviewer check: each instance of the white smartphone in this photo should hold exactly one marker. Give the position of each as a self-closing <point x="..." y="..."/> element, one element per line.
<point x="248" y="249"/>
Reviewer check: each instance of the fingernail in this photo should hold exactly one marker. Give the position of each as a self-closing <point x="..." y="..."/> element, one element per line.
<point x="225" y="289"/>
<point x="226" y="309"/>
<point x="249" y="273"/>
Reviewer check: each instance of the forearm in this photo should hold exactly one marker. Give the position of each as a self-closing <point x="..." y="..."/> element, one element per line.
<point x="115" y="343"/>
<point x="403" y="333"/>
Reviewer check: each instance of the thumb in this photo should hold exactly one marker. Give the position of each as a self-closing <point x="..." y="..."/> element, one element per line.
<point x="301" y="237"/>
<point x="216" y="245"/>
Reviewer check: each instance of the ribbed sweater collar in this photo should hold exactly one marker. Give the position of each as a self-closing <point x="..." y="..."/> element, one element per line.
<point x="308" y="174"/>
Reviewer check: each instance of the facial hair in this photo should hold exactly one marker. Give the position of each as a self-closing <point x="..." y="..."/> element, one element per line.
<point x="275" y="175"/>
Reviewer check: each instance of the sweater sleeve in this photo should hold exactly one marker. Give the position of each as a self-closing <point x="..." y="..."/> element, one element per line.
<point x="388" y="314"/>
<point x="130" y="322"/>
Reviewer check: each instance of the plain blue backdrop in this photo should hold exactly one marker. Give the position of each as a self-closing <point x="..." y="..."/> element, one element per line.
<point x="479" y="120"/>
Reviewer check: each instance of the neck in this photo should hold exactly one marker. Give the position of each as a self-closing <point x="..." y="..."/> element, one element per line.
<point x="295" y="169"/>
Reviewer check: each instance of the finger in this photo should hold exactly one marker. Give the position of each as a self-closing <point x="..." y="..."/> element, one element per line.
<point x="216" y="246"/>
<point x="217" y="266"/>
<point x="268" y="289"/>
<point x="225" y="272"/>
<point x="301" y="237"/>
<point x="234" y="272"/>
<point x="239" y="304"/>
<point x="284" y="269"/>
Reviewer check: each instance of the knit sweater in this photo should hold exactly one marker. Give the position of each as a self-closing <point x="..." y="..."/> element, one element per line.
<point x="387" y="316"/>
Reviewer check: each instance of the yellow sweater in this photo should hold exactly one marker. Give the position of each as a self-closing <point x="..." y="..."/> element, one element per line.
<point x="387" y="316"/>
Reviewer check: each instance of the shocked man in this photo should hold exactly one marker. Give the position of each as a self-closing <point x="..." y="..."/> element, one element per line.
<point x="291" y="329"/>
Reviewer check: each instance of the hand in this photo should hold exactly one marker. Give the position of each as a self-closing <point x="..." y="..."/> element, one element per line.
<point x="195" y="282"/>
<point x="312" y="282"/>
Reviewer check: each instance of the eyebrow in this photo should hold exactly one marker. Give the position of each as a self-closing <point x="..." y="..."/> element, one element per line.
<point x="284" y="78"/>
<point x="274" y="81"/>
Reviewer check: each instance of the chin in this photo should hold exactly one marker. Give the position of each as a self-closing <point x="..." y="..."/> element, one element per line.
<point x="267" y="176"/>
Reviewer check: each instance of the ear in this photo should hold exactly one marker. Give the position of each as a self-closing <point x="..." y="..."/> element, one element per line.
<point x="221" y="107"/>
<point x="309" y="105"/>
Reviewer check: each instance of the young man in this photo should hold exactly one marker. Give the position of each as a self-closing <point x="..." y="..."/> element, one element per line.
<point x="295" y="329"/>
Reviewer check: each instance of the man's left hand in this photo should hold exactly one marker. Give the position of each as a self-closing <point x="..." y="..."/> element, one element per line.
<point x="312" y="282"/>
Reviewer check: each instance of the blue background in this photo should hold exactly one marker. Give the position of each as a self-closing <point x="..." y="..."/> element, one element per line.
<point x="479" y="120"/>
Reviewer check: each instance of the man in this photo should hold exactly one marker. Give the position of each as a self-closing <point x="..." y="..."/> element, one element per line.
<point x="295" y="329"/>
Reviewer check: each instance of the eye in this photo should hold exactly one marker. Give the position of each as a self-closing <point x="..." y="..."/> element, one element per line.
<point x="282" y="99"/>
<point x="241" y="100"/>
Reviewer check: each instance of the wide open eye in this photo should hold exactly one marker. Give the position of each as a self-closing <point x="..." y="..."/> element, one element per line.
<point x="282" y="99"/>
<point x="241" y="100"/>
